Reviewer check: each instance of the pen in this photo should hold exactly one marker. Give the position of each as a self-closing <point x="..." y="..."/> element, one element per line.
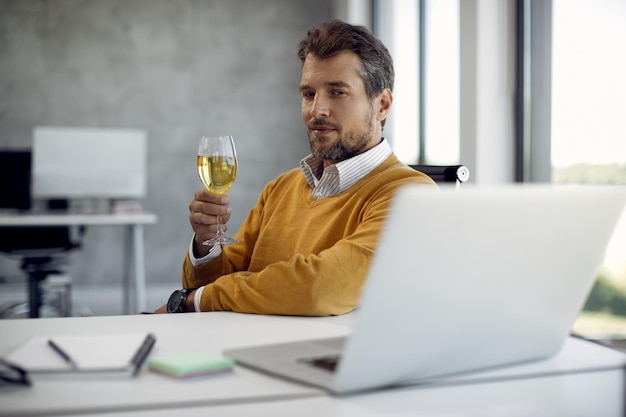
<point x="67" y="358"/>
<point x="142" y="353"/>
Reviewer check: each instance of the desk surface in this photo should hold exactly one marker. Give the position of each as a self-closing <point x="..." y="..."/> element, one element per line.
<point x="209" y="332"/>
<point x="9" y="219"/>
<point x="595" y="383"/>
<point x="579" y="395"/>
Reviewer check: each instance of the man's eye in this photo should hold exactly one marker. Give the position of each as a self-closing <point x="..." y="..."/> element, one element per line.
<point x="338" y="93"/>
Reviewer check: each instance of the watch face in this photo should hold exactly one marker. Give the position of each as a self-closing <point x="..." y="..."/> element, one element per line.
<point x="175" y="302"/>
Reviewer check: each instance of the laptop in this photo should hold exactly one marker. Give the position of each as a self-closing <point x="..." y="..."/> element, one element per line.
<point x="461" y="281"/>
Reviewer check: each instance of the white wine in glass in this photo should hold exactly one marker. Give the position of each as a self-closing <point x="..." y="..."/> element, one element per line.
<point x="217" y="168"/>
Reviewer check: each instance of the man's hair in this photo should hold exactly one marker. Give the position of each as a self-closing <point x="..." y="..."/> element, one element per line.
<point x="334" y="36"/>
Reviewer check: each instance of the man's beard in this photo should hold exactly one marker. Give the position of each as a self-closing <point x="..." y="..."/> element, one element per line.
<point x="345" y="147"/>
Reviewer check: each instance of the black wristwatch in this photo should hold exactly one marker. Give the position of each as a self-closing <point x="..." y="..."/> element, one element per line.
<point x="176" y="302"/>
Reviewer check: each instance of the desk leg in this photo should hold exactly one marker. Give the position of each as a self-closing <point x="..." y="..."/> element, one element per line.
<point x="140" y="271"/>
<point x="129" y="256"/>
<point x="134" y="259"/>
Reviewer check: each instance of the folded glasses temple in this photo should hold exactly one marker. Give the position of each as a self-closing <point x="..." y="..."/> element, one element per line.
<point x="18" y="374"/>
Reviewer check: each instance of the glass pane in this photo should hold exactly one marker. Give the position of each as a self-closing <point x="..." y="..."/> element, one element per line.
<point x="442" y="78"/>
<point x="398" y="27"/>
<point x="589" y="135"/>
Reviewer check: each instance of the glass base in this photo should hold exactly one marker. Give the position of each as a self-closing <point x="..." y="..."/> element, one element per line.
<point x="220" y="240"/>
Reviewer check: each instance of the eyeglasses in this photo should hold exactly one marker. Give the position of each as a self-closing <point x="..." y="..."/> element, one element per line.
<point x="11" y="374"/>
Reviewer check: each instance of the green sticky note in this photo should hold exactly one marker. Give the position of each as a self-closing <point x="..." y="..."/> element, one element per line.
<point x="190" y="364"/>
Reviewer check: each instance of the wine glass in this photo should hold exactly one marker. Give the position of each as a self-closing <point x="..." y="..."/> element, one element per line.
<point x="217" y="168"/>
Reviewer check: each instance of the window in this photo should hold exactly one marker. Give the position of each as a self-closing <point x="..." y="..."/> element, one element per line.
<point x="588" y="133"/>
<point x="441" y="82"/>
<point x="423" y="38"/>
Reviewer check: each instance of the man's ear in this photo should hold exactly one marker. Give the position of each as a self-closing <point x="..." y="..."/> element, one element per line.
<point x="384" y="100"/>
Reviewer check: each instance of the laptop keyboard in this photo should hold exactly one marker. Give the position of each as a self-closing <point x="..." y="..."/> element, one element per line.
<point x="328" y="363"/>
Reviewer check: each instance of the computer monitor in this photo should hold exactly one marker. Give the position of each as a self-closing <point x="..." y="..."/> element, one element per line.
<point x="73" y="162"/>
<point x="15" y="168"/>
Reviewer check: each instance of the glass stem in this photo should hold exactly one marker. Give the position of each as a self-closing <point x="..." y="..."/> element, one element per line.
<point x="220" y="227"/>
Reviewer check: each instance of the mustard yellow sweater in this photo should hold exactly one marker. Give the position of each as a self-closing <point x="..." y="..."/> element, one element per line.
<point x="298" y="255"/>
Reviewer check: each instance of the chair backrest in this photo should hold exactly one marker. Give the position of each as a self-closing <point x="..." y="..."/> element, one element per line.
<point x="25" y="241"/>
<point x="445" y="174"/>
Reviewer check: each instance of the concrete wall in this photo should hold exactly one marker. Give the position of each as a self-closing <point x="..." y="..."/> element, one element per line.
<point x="178" y="69"/>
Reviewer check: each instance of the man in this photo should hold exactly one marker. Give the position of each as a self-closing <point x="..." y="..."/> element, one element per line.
<point x="306" y="246"/>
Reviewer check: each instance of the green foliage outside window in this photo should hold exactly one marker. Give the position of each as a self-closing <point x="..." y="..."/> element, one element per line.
<point x="607" y="297"/>
<point x="590" y="174"/>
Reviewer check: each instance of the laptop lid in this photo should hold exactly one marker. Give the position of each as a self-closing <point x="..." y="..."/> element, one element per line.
<point x="468" y="280"/>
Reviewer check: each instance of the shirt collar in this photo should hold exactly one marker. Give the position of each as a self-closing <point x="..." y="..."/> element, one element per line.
<point x="342" y="175"/>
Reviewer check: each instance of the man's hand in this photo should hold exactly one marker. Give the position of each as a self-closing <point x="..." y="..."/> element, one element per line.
<point x="161" y="310"/>
<point x="204" y="210"/>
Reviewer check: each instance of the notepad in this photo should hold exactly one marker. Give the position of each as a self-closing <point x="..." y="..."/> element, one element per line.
<point x="190" y="364"/>
<point x="115" y="354"/>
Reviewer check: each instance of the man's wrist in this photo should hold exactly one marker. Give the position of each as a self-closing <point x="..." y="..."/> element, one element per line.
<point x="196" y="259"/>
<point x="189" y="306"/>
<point x="199" y="250"/>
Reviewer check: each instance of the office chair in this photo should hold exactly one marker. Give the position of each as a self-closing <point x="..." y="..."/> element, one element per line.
<point x="445" y="174"/>
<point x="39" y="249"/>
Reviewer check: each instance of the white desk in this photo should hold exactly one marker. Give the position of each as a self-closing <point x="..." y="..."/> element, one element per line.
<point x="578" y="395"/>
<point x="134" y="260"/>
<point x="585" y="379"/>
<point x="175" y="333"/>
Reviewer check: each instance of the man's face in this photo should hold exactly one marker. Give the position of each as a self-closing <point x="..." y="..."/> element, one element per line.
<point x="340" y="119"/>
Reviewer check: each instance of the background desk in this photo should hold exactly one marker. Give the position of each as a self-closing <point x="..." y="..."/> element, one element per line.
<point x="585" y="379"/>
<point x="133" y="247"/>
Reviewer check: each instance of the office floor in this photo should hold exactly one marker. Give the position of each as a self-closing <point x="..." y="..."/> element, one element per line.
<point x="89" y="300"/>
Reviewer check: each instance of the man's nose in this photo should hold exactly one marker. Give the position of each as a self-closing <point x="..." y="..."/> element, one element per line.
<point x="320" y="107"/>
